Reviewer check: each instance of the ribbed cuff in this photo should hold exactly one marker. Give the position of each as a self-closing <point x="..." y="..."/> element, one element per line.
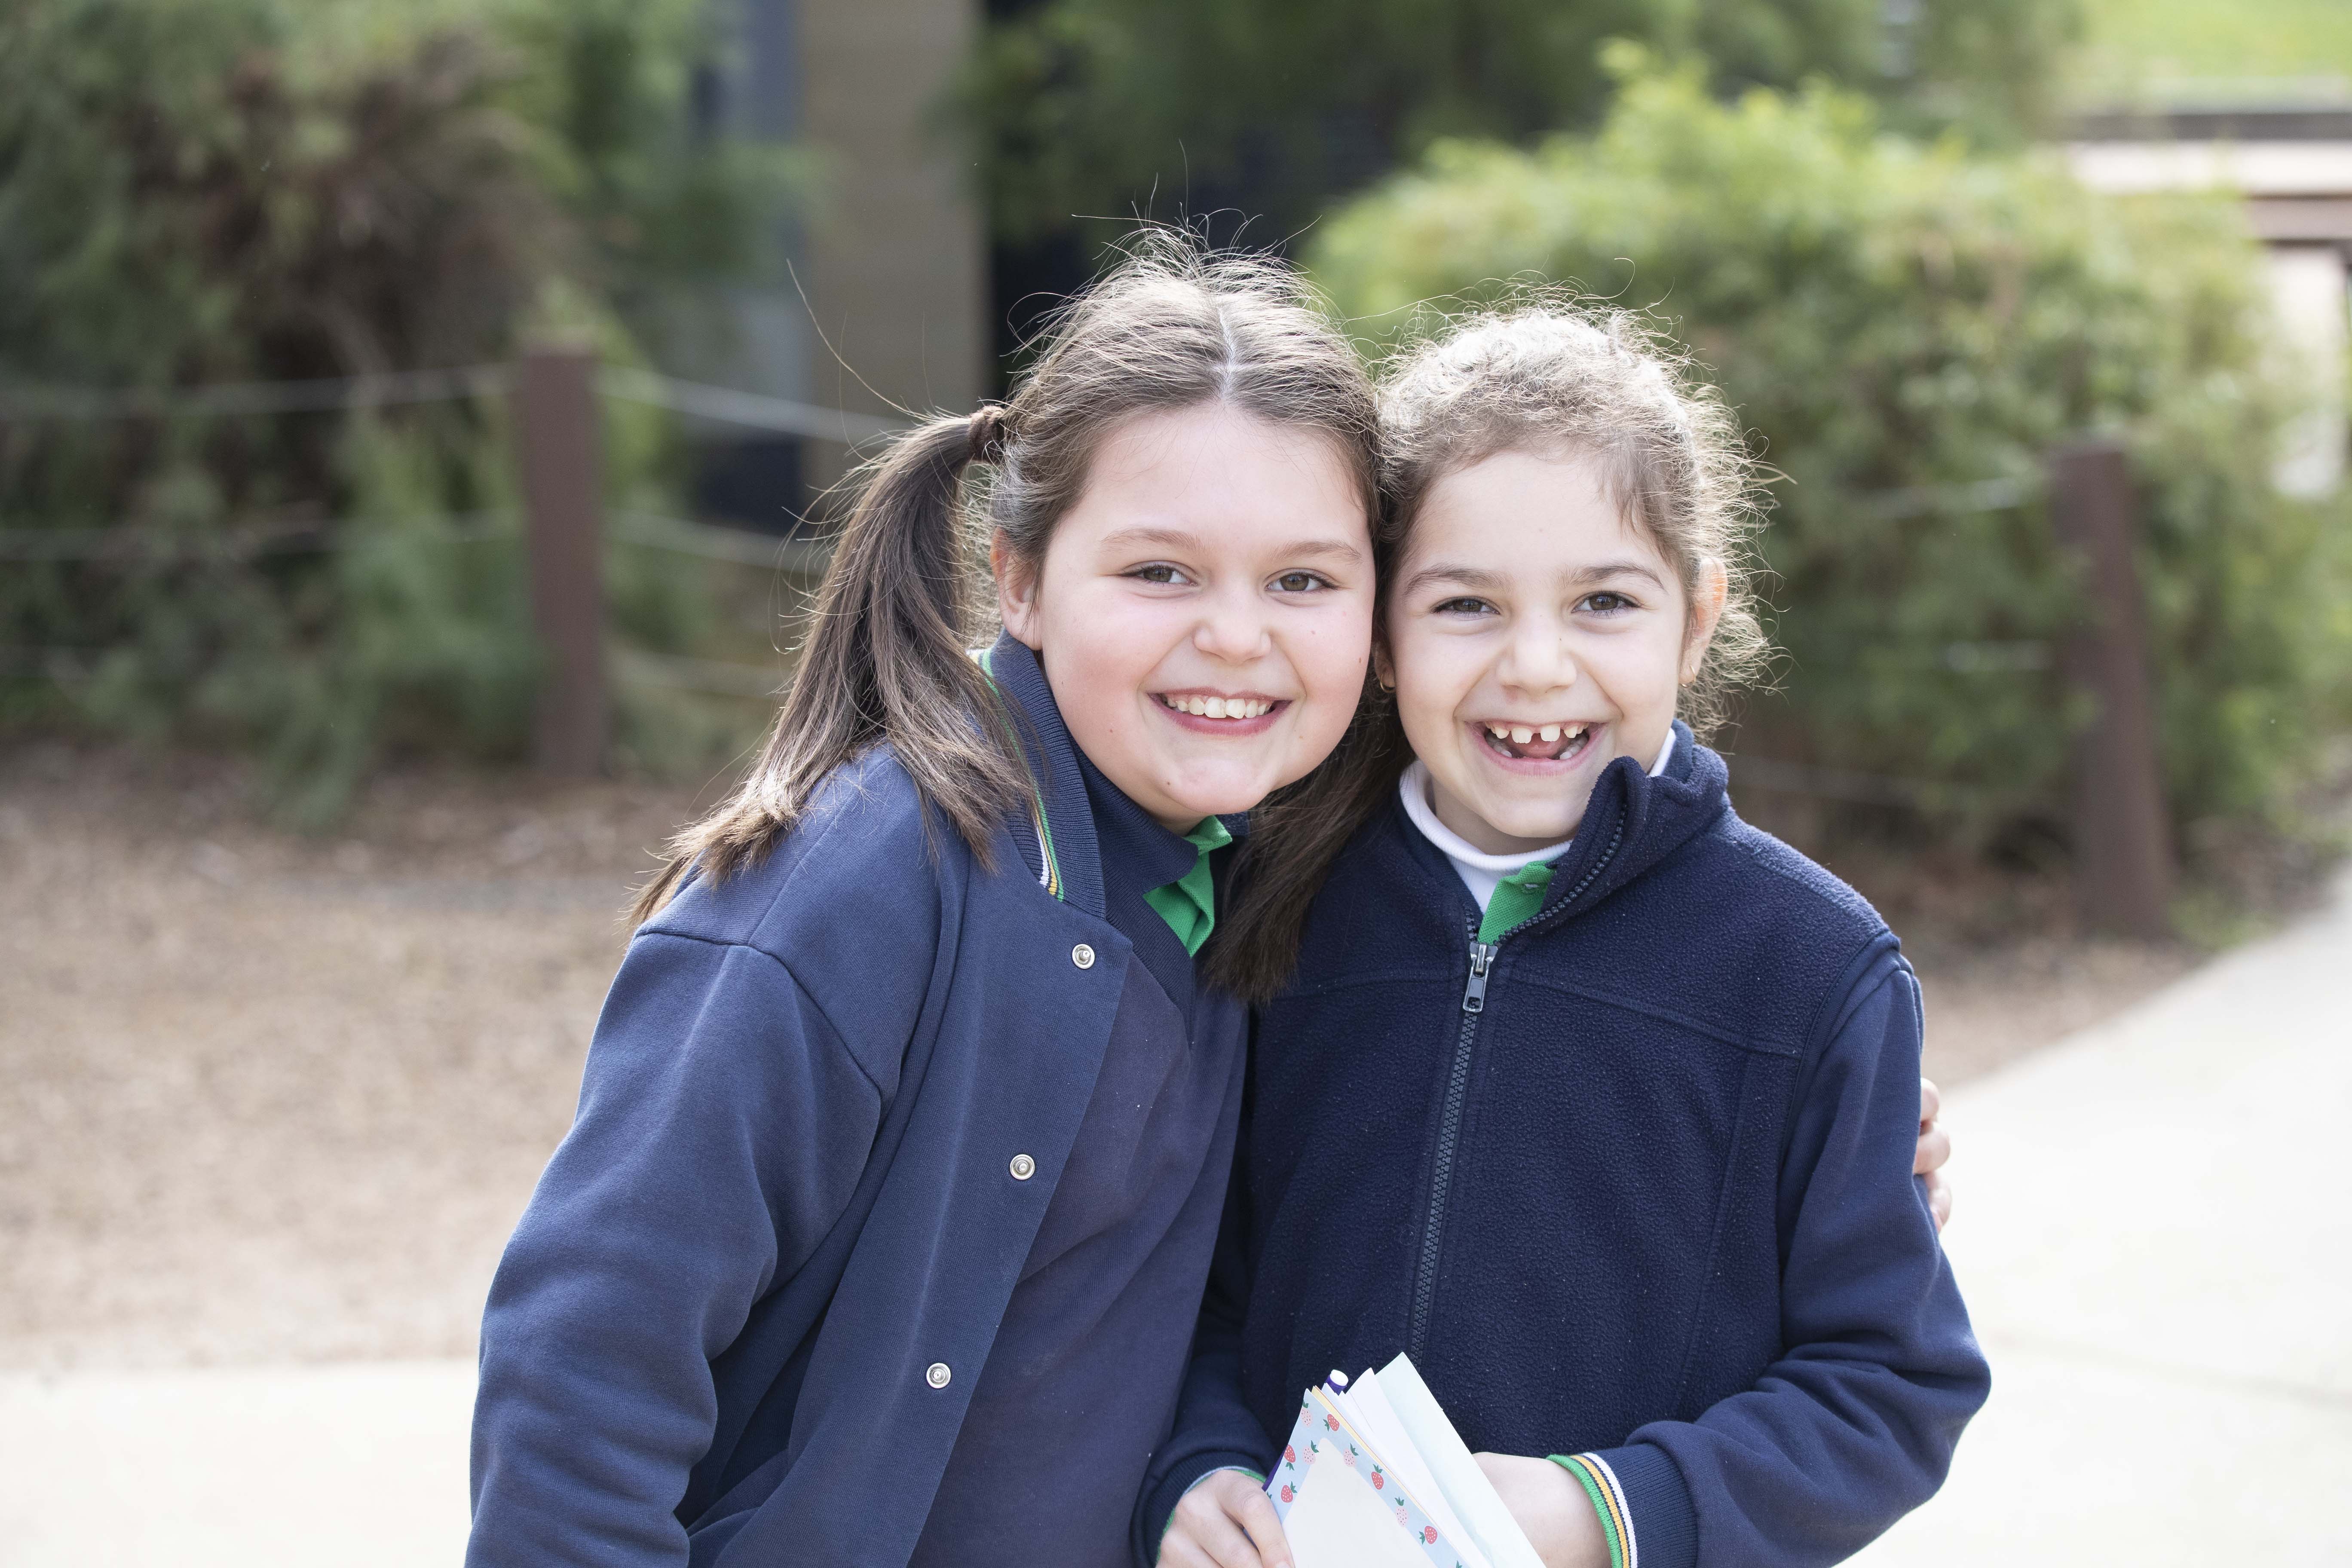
<point x="1606" y="1503"/>
<point x="1655" y="1523"/>
<point x="1160" y="1503"/>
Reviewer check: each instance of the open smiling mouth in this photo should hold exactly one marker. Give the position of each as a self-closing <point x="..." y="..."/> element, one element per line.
<point x="1196" y="705"/>
<point x="1537" y="743"/>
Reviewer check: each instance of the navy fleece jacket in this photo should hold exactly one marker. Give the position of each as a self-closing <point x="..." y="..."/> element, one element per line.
<point x="1632" y="1181"/>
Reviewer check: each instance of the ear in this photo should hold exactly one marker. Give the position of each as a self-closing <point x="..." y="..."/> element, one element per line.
<point x="1710" y="591"/>
<point x="1016" y="591"/>
<point x="1383" y="667"/>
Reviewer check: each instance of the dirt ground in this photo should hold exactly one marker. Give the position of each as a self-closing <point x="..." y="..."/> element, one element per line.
<point x="274" y="1099"/>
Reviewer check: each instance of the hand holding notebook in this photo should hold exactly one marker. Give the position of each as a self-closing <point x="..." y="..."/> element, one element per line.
<point x="1374" y="1475"/>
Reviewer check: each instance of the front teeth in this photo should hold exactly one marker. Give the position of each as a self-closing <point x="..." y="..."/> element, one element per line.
<point x="1220" y="707"/>
<point x="1525" y="734"/>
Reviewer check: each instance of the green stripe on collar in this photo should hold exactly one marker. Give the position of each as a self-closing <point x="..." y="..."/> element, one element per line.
<point x="1050" y="876"/>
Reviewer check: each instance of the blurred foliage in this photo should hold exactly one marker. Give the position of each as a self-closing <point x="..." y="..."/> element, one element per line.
<point x="1110" y="107"/>
<point x="1889" y="315"/>
<point x="2192" y="50"/>
<point x="247" y="190"/>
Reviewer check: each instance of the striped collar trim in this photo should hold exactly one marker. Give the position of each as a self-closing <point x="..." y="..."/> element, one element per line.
<point x="1049" y="864"/>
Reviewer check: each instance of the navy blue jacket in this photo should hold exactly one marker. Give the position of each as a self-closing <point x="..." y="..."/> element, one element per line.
<point x="742" y="1316"/>
<point x="1633" y="1180"/>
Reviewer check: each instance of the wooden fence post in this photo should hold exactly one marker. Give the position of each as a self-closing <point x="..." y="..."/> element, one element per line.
<point x="2122" y="836"/>
<point x="556" y="433"/>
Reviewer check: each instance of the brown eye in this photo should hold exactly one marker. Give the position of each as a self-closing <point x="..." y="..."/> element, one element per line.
<point x="1299" y="582"/>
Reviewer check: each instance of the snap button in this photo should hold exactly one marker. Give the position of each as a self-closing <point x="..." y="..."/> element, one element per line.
<point x="1024" y="1167"/>
<point x="1082" y="956"/>
<point x="937" y="1374"/>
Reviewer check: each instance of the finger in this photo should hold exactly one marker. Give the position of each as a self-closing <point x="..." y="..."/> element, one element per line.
<point x="1178" y="1549"/>
<point x="1935" y="1148"/>
<point x="1202" y="1520"/>
<point x="1931" y="1102"/>
<point x="1939" y="1199"/>
<point x="1265" y="1527"/>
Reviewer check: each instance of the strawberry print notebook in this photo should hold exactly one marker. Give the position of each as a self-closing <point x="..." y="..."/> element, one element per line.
<point x="1368" y="1480"/>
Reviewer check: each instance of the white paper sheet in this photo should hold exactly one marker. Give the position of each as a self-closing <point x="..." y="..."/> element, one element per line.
<point x="1489" y="1524"/>
<point x="1367" y="1406"/>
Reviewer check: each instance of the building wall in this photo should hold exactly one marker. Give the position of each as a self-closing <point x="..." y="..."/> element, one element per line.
<point x="895" y="265"/>
<point x="887" y="306"/>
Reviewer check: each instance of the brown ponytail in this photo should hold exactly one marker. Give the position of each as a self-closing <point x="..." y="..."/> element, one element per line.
<point x="1171" y="327"/>
<point x="885" y="659"/>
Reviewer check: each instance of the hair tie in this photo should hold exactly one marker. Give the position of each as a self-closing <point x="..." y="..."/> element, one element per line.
<point x="986" y="433"/>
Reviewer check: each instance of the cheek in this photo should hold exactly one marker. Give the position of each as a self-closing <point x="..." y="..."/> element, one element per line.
<point x="1645" y="671"/>
<point x="1641" y="676"/>
<point x="1334" y="658"/>
<point x="1434" y="675"/>
<point x="1330" y="660"/>
<point x="1106" y="636"/>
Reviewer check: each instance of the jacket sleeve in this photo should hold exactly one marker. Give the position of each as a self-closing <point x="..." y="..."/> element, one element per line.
<point x="723" y="1125"/>
<point x="1855" y="1425"/>
<point x="1214" y="1429"/>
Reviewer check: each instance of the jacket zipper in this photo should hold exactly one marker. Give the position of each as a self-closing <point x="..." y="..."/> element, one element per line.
<point x="1449" y="1133"/>
<point x="1457" y="1091"/>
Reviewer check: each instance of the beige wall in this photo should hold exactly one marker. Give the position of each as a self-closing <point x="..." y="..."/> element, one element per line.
<point x="895" y="263"/>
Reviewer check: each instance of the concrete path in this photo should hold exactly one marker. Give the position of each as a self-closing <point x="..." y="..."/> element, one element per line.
<point x="2155" y="1234"/>
<point x="358" y="1467"/>
<point x="2155" y="1237"/>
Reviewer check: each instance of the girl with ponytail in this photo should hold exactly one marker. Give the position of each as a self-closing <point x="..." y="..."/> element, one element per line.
<point x="904" y="1134"/>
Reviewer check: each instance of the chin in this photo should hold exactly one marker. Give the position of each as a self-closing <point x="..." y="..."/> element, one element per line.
<point x="1221" y="797"/>
<point x="1537" y="823"/>
<point x="1542" y="830"/>
<point x="1222" y="803"/>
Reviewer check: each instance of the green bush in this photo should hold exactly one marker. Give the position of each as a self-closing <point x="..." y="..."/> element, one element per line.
<point x="216" y="191"/>
<point x="1889" y="315"/>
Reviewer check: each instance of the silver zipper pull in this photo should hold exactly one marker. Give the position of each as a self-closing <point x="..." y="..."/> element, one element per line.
<point x="1481" y="957"/>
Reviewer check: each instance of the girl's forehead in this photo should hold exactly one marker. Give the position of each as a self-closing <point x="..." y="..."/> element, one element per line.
<point x="1527" y="511"/>
<point x="1217" y="471"/>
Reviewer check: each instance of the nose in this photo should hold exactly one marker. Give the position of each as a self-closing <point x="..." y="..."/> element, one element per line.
<point x="1233" y="626"/>
<point x="1538" y="662"/>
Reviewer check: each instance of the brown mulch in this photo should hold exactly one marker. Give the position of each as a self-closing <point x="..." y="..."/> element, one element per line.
<point x="276" y="1099"/>
<point x="279" y="1099"/>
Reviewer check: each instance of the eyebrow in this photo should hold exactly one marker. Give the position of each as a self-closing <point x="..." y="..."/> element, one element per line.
<point x="1609" y="569"/>
<point x="1178" y="539"/>
<point x="1486" y="580"/>
<point x="1457" y="575"/>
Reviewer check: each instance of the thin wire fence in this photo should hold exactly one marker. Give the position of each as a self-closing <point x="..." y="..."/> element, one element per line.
<point x="134" y="546"/>
<point x="791" y="556"/>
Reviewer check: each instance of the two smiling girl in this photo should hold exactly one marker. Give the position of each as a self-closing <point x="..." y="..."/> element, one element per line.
<point x="904" y="1142"/>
